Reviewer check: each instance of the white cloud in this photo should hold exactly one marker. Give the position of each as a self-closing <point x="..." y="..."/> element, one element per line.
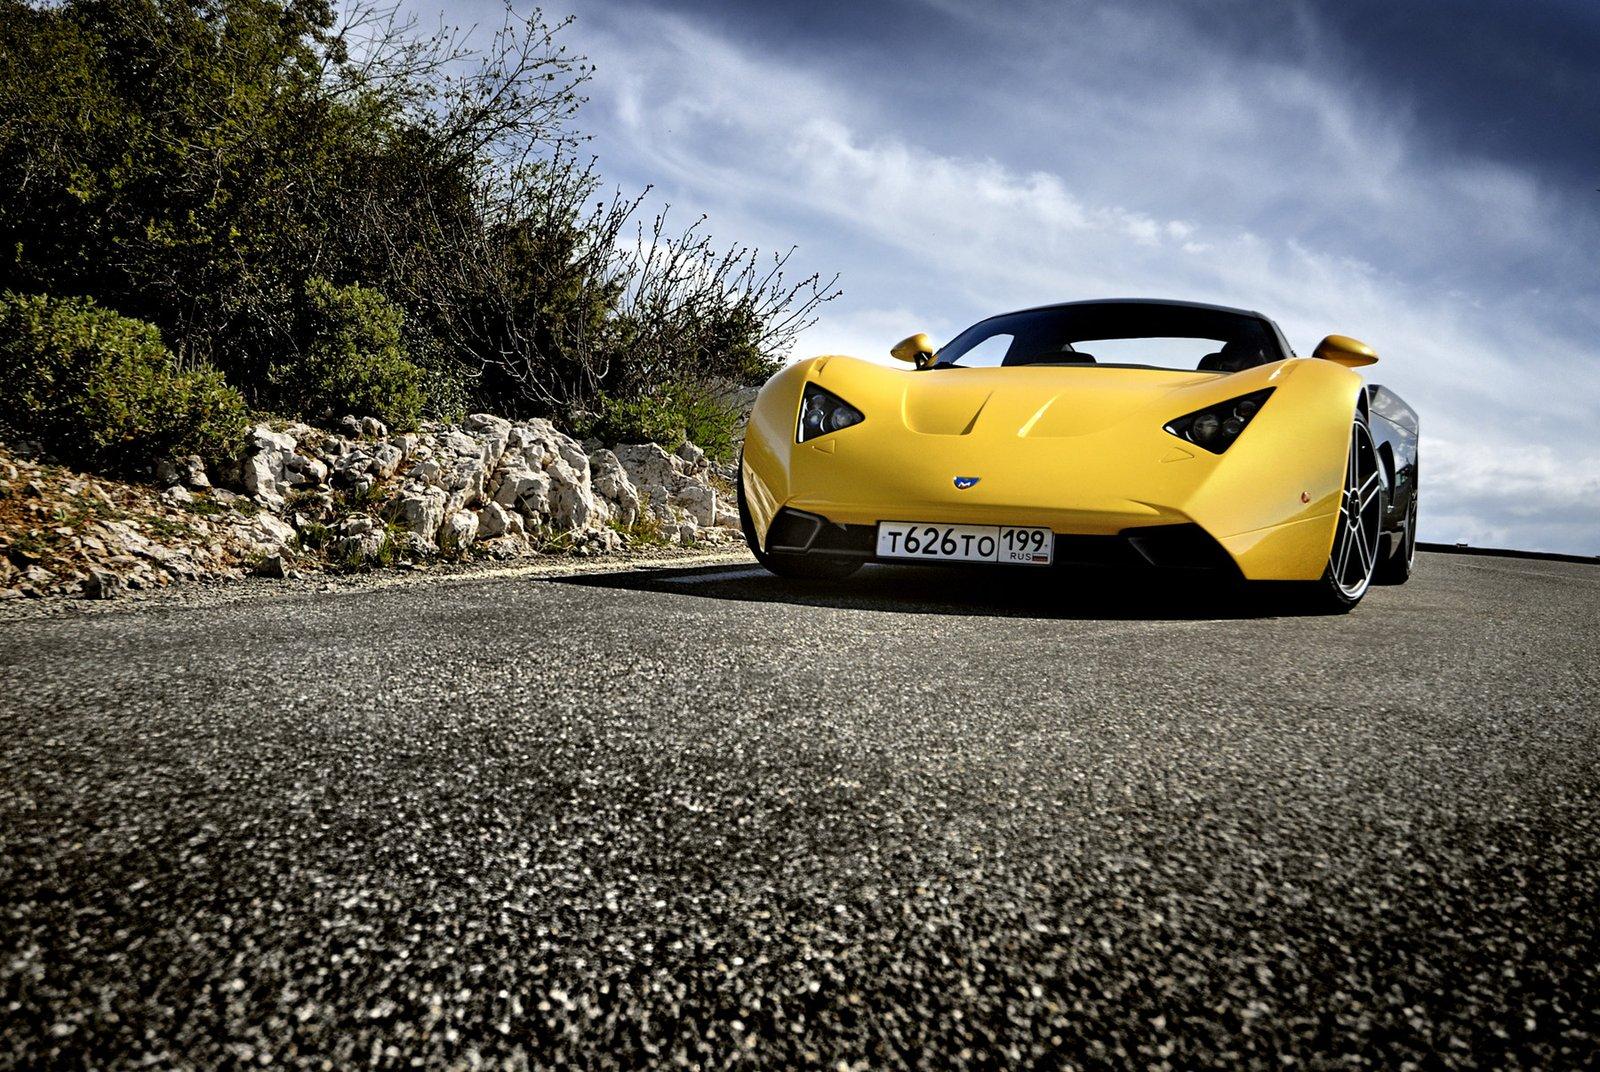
<point x="1531" y="495"/>
<point x="1249" y="184"/>
<point x="868" y="333"/>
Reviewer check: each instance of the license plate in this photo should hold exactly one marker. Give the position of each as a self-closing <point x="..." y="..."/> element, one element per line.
<point x="1009" y="544"/>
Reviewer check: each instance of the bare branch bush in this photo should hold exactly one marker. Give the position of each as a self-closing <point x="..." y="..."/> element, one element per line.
<point x="538" y="285"/>
<point x="255" y="146"/>
<point x="693" y="312"/>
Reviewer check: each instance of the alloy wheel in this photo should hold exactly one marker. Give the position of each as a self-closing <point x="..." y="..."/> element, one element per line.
<point x="1355" y="543"/>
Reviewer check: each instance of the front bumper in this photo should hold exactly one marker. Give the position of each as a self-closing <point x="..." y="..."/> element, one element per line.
<point x="1162" y="547"/>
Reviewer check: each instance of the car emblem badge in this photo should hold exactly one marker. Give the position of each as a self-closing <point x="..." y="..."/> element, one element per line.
<point x="965" y="482"/>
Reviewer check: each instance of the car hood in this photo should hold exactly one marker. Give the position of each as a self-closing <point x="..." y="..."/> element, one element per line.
<point x="1037" y="401"/>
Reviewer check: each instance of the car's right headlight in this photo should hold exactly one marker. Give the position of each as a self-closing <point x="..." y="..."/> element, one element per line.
<point x="1216" y="427"/>
<point x="822" y="412"/>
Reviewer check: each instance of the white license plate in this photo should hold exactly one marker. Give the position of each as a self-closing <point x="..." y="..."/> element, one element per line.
<point x="1008" y="544"/>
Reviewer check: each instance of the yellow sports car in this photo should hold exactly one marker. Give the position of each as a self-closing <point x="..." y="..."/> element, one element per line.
<point x="1147" y="434"/>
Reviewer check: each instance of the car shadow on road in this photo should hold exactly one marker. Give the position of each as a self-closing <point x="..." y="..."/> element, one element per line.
<point x="1058" y="593"/>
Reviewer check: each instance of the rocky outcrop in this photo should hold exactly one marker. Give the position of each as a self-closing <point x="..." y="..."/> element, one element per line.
<point x="304" y="498"/>
<point x="609" y="479"/>
<point x="262" y="472"/>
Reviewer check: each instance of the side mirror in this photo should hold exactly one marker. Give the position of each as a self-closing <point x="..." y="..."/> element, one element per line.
<point x="916" y="349"/>
<point x="1351" y="353"/>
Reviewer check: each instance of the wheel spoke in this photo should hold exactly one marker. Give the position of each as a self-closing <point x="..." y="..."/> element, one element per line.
<point x="1359" y="519"/>
<point x="1346" y="532"/>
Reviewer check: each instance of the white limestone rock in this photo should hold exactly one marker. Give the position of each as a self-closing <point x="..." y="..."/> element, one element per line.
<point x="459" y="530"/>
<point x="262" y="437"/>
<point x="362" y="547"/>
<point x="648" y="464"/>
<point x="259" y="472"/>
<point x="457" y="442"/>
<point x="523" y="490"/>
<point x="427" y="472"/>
<point x="656" y="499"/>
<point x="420" y="510"/>
<point x="194" y="471"/>
<point x="464" y="482"/>
<point x="610" y="482"/>
<point x="572" y="503"/>
<point x="699" y="501"/>
<point x="493" y="433"/>
<point x="495" y="521"/>
<point x="262" y="470"/>
<point x="386" y="459"/>
<point x="692" y="456"/>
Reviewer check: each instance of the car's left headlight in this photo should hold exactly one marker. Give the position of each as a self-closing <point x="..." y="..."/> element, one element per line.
<point x="822" y="412"/>
<point x="1216" y="427"/>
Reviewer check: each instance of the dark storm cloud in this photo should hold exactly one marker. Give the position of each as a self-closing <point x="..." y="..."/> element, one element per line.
<point x="1418" y="175"/>
<point x="1517" y="81"/>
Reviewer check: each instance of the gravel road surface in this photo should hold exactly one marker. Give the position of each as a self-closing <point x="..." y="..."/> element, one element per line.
<point x="710" y="818"/>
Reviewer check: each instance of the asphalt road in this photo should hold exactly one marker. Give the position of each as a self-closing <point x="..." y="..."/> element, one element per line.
<point x="919" y="818"/>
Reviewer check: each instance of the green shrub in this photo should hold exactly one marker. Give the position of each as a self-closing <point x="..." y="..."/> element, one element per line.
<point x="646" y="529"/>
<point x="709" y="422"/>
<point x="643" y="419"/>
<point x="355" y="360"/>
<point x="100" y="389"/>
<point x="314" y="536"/>
<point x="691" y="412"/>
<point x="448" y="386"/>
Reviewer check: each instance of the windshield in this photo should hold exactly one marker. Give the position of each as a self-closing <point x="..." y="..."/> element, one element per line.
<point x="1117" y="335"/>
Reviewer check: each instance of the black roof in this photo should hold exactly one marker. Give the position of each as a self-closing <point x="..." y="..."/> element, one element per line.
<point x="1166" y="303"/>
<point x="1140" y="301"/>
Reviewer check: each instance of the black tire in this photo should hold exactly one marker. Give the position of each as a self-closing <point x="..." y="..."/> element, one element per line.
<point x="1354" y="558"/>
<point x="1396" y="569"/>
<point x="794" y="567"/>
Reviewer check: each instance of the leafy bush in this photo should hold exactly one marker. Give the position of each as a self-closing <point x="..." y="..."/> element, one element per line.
<point x="710" y="422"/>
<point x="205" y="166"/>
<point x="99" y="388"/>
<point x="692" y="411"/>
<point x="642" y="419"/>
<point x="356" y="360"/>
<point x="449" y="388"/>
<point x="646" y="529"/>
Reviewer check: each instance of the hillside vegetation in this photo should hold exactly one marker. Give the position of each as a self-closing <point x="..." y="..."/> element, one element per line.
<point x="277" y="206"/>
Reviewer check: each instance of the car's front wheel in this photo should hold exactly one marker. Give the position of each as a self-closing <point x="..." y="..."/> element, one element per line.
<point x="797" y="567"/>
<point x="1358" y="535"/>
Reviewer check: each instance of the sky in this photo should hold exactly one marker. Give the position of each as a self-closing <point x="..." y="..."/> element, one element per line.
<point x="1420" y="175"/>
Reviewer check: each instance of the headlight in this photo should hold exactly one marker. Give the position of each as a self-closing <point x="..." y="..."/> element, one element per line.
<point x="1216" y="427"/>
<point x="822" y="412"/>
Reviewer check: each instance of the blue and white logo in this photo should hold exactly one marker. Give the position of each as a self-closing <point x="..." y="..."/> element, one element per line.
<point x="965" y="482"/>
